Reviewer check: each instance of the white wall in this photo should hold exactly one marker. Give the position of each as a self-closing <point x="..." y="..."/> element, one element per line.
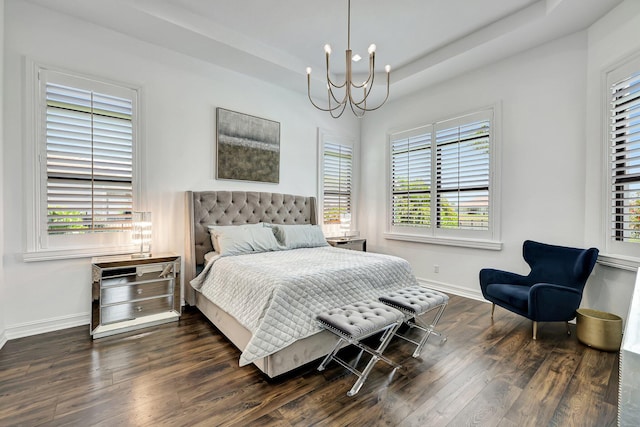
<point x="179" y="97"/>
<point x="612" y="39"/>
<point x="3" y="337"/>
<point x="551" y="157"/>
<point x="551" y="177"/>
<point x="542" y="94"/>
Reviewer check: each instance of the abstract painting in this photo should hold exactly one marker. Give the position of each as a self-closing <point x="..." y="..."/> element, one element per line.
<point x="248" y="147"/>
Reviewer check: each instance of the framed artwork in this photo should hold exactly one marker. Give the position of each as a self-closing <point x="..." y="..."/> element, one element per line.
<point x="248" y="147"/>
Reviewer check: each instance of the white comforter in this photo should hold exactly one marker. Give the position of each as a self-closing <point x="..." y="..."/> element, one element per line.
<point x="276" y="295"/>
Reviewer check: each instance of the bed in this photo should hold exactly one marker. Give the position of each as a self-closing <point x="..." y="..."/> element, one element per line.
<point x="265" y="302"/>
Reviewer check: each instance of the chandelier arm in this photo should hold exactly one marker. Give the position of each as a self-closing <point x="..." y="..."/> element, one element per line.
<point x="329" y="81"/>
<point x="344" y="98"/>
<point x="332" y="84"/>
<point x="367" y="92"/>
<point x="368" y="84"/>
<point x="381" y="103"/>
<point x="313" y="103"/>
<point x="337" y="107"/>
<point x="369" y="88"/>
<point x="360" y="113"/>
<point x="369" y="80"/>
<point x="336" y="116"/>
<point x="324" y="109"/>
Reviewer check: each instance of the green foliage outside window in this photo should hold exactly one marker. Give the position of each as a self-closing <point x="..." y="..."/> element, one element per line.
<point x="635" y="219"/>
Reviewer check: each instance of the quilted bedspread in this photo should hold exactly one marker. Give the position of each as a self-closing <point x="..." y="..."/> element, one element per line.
<point x="276" y="295"/>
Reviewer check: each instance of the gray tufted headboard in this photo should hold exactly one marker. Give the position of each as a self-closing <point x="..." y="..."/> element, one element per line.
<point x="206" y="208"/>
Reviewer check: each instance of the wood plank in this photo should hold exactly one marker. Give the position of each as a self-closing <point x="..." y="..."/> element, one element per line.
<point x="546" y="388"/>
<point x="488" y="372"/>
<point x="586" y="394"/>
<point x="489" y="406"/>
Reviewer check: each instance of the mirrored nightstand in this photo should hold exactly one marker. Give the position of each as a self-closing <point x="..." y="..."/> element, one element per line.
<point x="132" y="293"/>
<point x="353" y="243"/>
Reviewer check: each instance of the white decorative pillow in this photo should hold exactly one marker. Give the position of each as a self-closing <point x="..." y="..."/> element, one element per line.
<point x="242" y="240"/>
<point x="220" y="228"/>
<point x="299" y="236"/>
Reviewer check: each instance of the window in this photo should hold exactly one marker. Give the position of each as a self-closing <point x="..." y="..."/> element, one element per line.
<point x="441" y="182"/>
<point x="89" y="146"/>
<point x="336" y="178"/>
<point x="411" y="179"/>
<point x="86" y="147"/>
<point x="624" y="159"/>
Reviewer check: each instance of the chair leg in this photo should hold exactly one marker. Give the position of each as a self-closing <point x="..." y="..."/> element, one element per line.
<point x="493" y="307"/>
<point x="535" y="330"/>
<point x="568" y="330"/>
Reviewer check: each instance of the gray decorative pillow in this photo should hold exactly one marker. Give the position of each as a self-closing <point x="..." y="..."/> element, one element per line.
<point x="221" y="228"/>
<point x="237" y="240"/>
<point x="298" y="236"/>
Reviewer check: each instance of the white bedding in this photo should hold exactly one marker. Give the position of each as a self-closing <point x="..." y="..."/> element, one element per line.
<point x="276" y="295"/>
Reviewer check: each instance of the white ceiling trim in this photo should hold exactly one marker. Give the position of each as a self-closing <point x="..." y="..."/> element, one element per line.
<point x="167" y="24"/>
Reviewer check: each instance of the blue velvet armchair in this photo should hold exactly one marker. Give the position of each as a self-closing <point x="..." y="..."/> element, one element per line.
<point x="551" y="292"/>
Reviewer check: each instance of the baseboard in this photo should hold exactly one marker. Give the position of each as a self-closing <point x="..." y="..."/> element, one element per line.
<point x="54" y="324"/>
<point x="452" y="289"/>
<point x="48" y="325"/>
<point x="3" y="339"/>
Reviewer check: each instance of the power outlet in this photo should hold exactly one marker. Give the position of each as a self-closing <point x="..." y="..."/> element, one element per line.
<point x="436" y="268"/>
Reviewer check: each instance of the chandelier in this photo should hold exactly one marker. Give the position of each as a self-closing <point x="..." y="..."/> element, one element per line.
<point x="336" y="106"/>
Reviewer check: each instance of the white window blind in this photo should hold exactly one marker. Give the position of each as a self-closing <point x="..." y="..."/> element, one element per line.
<point x="440" y="177"/>
<point x="625" y="159"/>
<point x="411" y="180"/>
<point x="89" y="160"/>
<point x="337" y="181"/>
<point x="462" y="163"/>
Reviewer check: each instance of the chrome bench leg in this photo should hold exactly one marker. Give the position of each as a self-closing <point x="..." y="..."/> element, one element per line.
<point x="431" y="330"/>
<point x="370" y="319"/>
<point x="375" y="356"/>
<point x="329" y="356"/>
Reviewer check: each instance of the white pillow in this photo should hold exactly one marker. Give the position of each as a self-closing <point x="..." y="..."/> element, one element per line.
<point x="209" y="255"/>
<point x="214" y="241"/>
<point x="243" y="240"/>
<point x="299" y="236"/>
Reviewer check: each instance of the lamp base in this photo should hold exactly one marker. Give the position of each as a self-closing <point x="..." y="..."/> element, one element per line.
<point x="141" y="255"/>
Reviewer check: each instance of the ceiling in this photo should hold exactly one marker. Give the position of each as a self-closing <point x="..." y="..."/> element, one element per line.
<point x="424" y="41"/>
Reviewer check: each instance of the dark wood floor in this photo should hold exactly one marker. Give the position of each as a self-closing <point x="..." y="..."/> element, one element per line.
<point x="487" y="373"/>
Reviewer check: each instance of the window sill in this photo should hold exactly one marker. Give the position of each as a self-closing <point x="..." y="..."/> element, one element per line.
<point x="619" y="261"/>
<point x="61" y="254"/>
<point x="447" y="241"/>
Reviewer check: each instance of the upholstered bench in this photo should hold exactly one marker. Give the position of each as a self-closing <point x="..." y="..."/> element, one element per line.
<point x="355" y="322"/>
<point x="414" y="302"/>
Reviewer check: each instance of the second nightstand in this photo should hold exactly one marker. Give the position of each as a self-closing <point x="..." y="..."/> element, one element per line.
<point x="353" y="243"/>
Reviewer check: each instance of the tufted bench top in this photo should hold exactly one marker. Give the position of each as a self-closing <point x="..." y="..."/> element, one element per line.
<point x="415" y="299"/>
<point x="360" y="319"/>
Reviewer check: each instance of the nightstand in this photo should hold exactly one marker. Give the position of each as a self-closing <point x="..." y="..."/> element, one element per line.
<point x="132" y="293"/>
<point x="353" y="243"/>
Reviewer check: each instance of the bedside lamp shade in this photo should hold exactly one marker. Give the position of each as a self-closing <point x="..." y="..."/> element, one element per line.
<point x="345" y="223"/>
<point x="141" y="234"/>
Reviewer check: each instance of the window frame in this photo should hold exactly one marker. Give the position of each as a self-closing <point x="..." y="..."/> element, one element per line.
<point x="619" y="254"/>
<point x="489" y="239"/>
<point x="39" y="245"/>
<point x="337" y="139"/>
